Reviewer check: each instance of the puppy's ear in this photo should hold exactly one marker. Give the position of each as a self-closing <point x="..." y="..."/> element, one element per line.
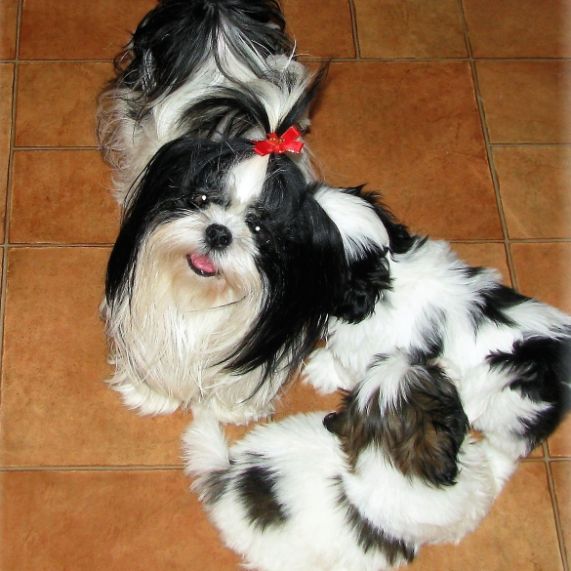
<point x="369" y="276"/>
<point x="423" y="431"/>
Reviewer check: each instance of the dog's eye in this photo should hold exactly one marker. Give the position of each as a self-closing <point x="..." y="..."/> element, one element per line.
<point x="200" y="199"/>
<point x="258" y="229"/>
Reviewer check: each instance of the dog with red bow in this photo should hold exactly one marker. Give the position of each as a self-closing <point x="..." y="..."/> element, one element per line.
<point x="225" y="267"/>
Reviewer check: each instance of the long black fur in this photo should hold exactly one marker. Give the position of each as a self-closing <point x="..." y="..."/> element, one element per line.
<point x="177" y="37"/>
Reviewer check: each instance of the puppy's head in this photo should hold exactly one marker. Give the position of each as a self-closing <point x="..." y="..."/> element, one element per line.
<point x="370" y="235"/>
<point x="176" y="40"/>
<point x="419" y="427"/>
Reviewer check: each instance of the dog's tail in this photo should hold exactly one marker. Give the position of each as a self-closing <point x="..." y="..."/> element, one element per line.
<point x="206" y="455"/>
<point x="177" y="37"/>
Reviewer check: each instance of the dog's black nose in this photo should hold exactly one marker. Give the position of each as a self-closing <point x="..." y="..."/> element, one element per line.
<point x="329" y="421"/>
<point x="218" y="237"/>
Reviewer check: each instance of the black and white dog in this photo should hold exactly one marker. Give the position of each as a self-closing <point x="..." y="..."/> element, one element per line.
<point x="412" y="301"/>
<point x="225" y="267"/>
<point x="425" y="346"/>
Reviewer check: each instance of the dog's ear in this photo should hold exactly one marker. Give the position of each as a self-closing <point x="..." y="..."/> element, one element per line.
<point x="369" y="276"/>
<point x="424" y="430"/>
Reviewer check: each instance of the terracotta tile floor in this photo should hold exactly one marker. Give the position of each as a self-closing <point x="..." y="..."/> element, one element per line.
<point x="454" y="108"/>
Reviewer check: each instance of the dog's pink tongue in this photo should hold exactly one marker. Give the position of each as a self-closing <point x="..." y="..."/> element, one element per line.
<point x="203" y="263"/>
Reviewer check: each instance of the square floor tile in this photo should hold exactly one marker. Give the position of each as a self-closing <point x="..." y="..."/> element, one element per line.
<point x="544" y="271"/>
<point x="519" y="28"/>
<point x="535" y="185"/>
<point x="78" y="29"/>
<point x="56" y="408"/>
<point x="562" y="478"/>
<point x="519" y="533"/>
<point x="320" y="30"/>
<point x="62" y="197"/>
<point x="118" y="521"/>
<point x="489" y="255"/>
<point x="6" y="87"/>
<point x="8" y="23"/>
<point x="410" y="28"/>
<point x="57" y="102"/>
<point x="526" y="101"/>
<point x="412" y="131"/>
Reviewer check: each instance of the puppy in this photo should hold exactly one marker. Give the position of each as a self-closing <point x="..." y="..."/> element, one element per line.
<point x="392" y="470"/>
<point x="225" y="267"/>
<point x="411" y="298"/>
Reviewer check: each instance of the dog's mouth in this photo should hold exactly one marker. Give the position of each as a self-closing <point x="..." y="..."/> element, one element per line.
<point x="202" y="265"/>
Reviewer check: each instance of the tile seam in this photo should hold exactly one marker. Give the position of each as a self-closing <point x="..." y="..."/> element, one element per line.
<point x="358" y="57"/>
<point x="8" y="199"/>
<point x="103" y="245"/>
<point x="556" y="514"/>
<point x="95" y="468"/>
<point x="488" y="146"/>
<point x="355" y="29"/>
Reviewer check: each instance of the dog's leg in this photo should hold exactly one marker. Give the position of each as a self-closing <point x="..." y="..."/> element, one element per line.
<point x="325" y="373"/>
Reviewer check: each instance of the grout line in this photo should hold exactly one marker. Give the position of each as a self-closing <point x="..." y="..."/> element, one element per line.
<point x="80" y="468"/>
<point x="103" y="245"/>
<point x="8" y="199"/>
<point x="44" y="148"/>
<point x="355" y="29"/>
<point x="530" y="144"/>
<point x="60" y="60"/>
<point x="557" y="515"/>
<point x="46" y="245"/>
<point x="489" y="150"/>
<point x="539" y="240"/>
<point x="511" y="241"/>
<point x="313" y="58"/>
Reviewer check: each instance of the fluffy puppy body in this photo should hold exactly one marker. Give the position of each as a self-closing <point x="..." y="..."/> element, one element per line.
<point x="389" y="472"/>
<point x="509" y="355"/>
<point x="180" y="52"/>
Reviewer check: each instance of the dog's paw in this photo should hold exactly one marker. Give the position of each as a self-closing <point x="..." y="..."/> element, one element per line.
<point x="324" y="373"/>
<point x="144" y="400"/>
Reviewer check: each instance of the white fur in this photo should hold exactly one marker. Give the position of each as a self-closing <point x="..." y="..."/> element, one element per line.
<point x="311" y="472"/>
<point x="358" y="225"/>
<point x="170" y="335"/>
<point x="427" y="289"/>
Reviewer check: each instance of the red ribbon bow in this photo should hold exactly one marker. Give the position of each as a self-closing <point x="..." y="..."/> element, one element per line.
<point x="279" y="145"/>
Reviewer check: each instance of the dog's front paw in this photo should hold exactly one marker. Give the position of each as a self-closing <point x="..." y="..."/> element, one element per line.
<point x="324" y="373"/>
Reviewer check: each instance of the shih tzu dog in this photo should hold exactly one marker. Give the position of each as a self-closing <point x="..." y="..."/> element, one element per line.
<point x="225" y="267"/>
<point x="362" y="490"/>
<point x="425" y="346"/>
<point x="411" y="300"/>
